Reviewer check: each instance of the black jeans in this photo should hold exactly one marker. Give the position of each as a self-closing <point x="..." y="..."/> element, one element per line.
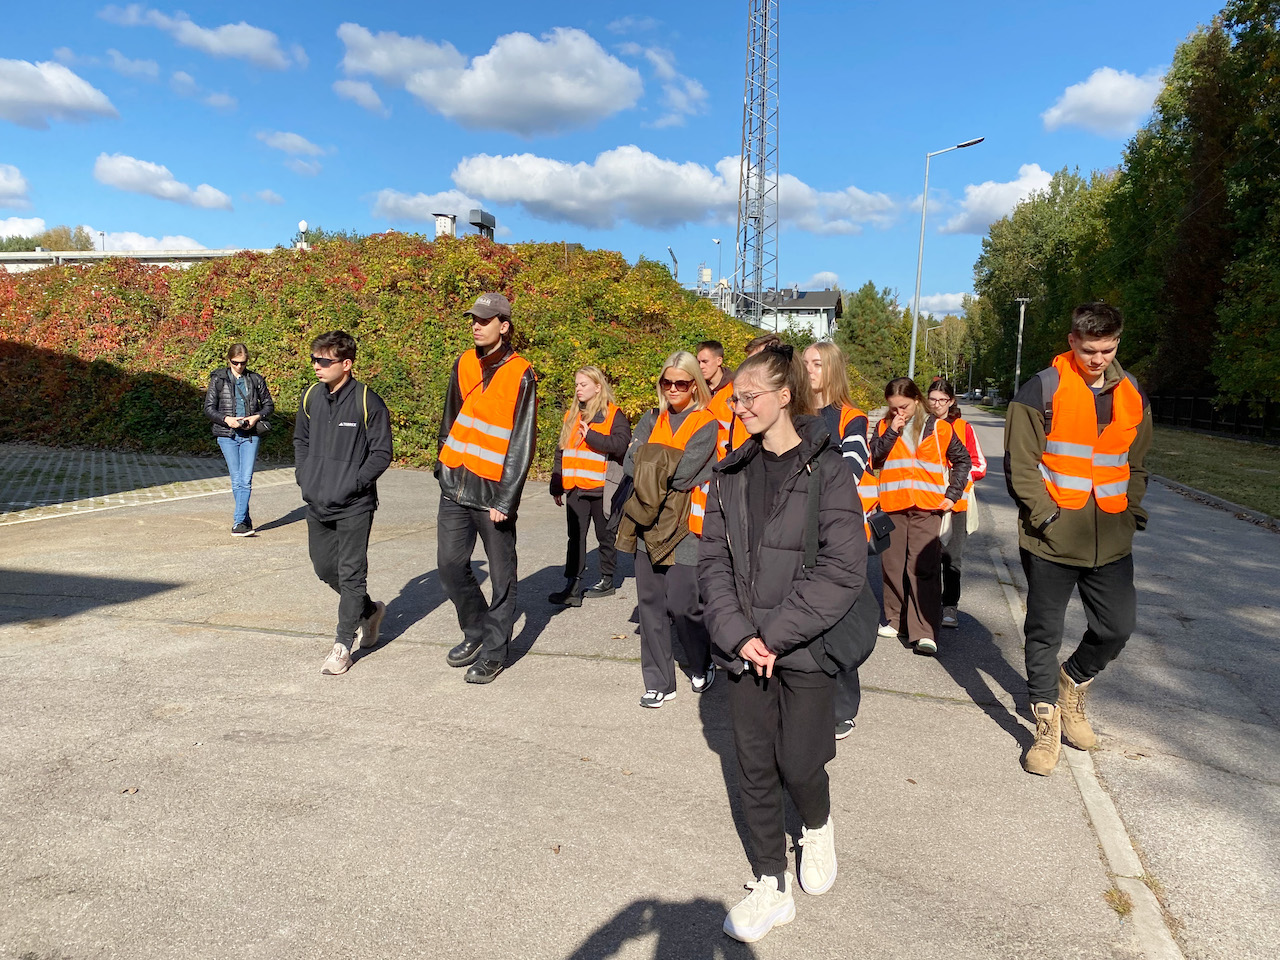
<point x="668" y="594"/>
<point x="782" y="736"/>
<point x="340" y="556"/>
<point x="848" y="695"/>
<point x="583" y="511"/>
<point x="953" y="559"/>
<point x="490" y="622"/>
<point x="1110" y="609"/>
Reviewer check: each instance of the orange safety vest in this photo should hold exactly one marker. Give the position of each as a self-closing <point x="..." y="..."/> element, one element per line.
<point x="580" y="466"/>
<point x="694" y="422"/>
<point x="868" y="491"/>
<point x="1078" y="460"/>
<point x="479" y="437"/>
<point x="915" y="478"/>
<point x="719" y="405"/>
<point x="962" y="431"/>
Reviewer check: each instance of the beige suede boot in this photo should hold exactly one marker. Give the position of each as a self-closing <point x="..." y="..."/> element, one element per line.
<point x="1043" y="755"/>
<point x="1075" y="725"/>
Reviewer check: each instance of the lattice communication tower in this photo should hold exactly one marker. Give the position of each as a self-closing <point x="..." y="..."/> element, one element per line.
<point x="756" y="273"/>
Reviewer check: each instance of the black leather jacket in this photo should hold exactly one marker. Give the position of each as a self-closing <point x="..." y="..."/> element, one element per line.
<point x="220" y="401"/>
<point x="461" y="485"/>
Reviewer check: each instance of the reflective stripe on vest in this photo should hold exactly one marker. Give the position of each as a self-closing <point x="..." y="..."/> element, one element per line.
<point x="694" y="422"/>
<point x="868" y="487"/>
<point x="915" y="479"/>
<point x="1079" y="460"/>
<point x="580" y="466"/>
<point x="480" y="436"/>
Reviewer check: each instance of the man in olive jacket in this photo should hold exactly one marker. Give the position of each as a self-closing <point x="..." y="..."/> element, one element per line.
<point x="1075" y="439"/>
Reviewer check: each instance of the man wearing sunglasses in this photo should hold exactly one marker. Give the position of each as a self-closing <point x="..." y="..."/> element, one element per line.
<point x="487" y="437"/>
<point x="342" y="445"/>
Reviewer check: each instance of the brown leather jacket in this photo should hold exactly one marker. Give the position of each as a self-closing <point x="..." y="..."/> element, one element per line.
<point x="654" y="511"/>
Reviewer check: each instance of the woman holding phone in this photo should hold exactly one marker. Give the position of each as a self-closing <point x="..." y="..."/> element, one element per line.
<point x="239" y="406"/>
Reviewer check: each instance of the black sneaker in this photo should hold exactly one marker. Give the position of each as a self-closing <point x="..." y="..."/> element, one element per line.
<point x="844" y="728"/>
<point x="604" y="588"/>
<point x="242" y="530"/>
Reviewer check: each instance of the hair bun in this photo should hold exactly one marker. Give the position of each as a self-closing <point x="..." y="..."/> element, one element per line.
<point x="785" y="349"/>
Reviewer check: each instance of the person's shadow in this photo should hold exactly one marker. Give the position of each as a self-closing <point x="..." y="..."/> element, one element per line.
<point x="416" y="600"/>
<point x="683" y="931"/>
<point x="537" y="609"/>
<point x="293" y="516"/>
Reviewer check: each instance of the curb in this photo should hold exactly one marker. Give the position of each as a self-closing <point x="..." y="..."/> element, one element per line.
<point x="1154" y="936"/>
<point x="1242" y="513"/>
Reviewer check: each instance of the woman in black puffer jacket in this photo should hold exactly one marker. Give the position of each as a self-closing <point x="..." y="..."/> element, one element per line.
<point x="239" y="405"/>
<point x="764" y="609"/>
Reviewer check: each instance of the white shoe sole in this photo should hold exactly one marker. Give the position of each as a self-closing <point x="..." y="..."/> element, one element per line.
<point x="889" y="633"/>
<point x="927" y="646"/>
<point x="819" y="891"/>
<point x="758" y="933"/>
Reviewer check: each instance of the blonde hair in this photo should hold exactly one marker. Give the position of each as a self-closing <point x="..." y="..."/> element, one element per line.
<point x="835" y="375"/>
<point x="686" y="362"/>
<point x="596" y="405"/>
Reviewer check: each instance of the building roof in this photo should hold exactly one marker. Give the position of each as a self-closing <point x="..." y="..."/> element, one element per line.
<point x="789" y="300"/>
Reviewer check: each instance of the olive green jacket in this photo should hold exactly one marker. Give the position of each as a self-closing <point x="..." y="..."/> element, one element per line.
<point x="1088" y="537"/>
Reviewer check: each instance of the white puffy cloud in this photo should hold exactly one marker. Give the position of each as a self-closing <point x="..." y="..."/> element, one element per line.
<point x="821" y="281"/>
<point x="1111" y="102"/>
<point x="631" y="184"/>
<point x="422" y="207"/>
<point x="221" y="101"/>
<point x="133" y="68"/>
<point x="32" y="94"/>
<point x="942" y="303"/>
<point x="21" y="227"/>
<point x="240" y="41"/>
<point x="184" y="85"/>
<point x="524" y="85"/>
<point x="681" y="96"/>
<point x="13" y="188"/>
<point x="126" y="241"/>
<point x="270" y="197"/>
<point x="140" y="176"/>
<point x="361" y="92"/>
<point x="291" y="143"/>
<point x="305" y="168"/>
<point x="985" y="203"/>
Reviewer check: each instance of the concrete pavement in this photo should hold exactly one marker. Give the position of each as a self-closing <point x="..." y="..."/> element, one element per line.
<point x="180" y="780"/>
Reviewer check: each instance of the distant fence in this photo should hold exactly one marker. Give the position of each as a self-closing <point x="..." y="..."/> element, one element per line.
<point x="1254" y="419"/>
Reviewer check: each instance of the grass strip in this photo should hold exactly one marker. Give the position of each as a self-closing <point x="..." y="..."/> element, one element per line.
<point x="1241" y="471"/>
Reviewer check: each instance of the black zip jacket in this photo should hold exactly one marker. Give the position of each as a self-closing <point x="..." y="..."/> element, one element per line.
<point x="220" y="401"/>
<point x="337" y="457"/>
<point x="957" y="454"/>
<point x="461" y="485"/>
<point x="767" y="593"/>
<point x="612" y="445"/>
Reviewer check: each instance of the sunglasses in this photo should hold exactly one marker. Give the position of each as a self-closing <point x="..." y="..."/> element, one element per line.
<point x="679" y="386"/>
<point x="484" y="321"/>
<point x="237" y="363"/>
<point x="325" y="362"/>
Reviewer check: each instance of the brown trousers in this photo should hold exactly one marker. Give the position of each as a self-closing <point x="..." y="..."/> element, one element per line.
<point x="913" y="575"/>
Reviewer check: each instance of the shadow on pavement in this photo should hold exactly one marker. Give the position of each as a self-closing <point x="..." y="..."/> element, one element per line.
<point x="293" y="516"/>
<point x="717" y="730"/>
<point x="537" y="609"/>
<point x="28" y="596"/>
<point x="681" y="931"/>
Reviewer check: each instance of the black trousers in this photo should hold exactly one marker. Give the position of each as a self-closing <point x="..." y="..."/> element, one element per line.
<point x="782" y="735"/>
<point x="340" y="556"/>
<point x="847" y="698"/>
<point x="953" y="558"/>
<point x="1110" y="609"/>
<point x="490" y="622"/>
<point x="582" y="511"/>
<point x="665" y="595"/>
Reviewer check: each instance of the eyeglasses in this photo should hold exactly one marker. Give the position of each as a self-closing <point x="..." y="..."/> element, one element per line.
<point x="237" y="363"/>
<point x="679" y="386"/>
<point x="748" y="400"/>
<point x="325" y="362"/>
<point x="936" y="400"/>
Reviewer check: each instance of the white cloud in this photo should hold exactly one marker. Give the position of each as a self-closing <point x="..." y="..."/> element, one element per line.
<point x="630" y="184"/>
<point x="305" y="168"/>
<point x="125" y="241"/>
<point x="270" y="196"/>
<point x="133" y="68"/>
<point x="65" y="55"/>
<point x="633" y="24"/>
<point x="32" y="94"/>
<point x="239" y="41"/>
<point x="221" y="101"/>
<point x="362" y="93"/>
<point x="422" y="207"/>
<point x="523" y="85"/>
<point x="821" y="281"/>
<point x="681" y="96"/>
<point x="942" y="303"/>
<point x="20" y="227"/>
<point x="140" y="176"/>
<point x="291" y="143"/>
<point x="1111" y="102"/>
<point x="13" y="188"/>
<point x="985" y="203"/>
<point x="184" y="84"/>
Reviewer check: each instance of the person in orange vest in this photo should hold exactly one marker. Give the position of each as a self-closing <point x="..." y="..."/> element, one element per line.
<point x="829" y="380"/>
<point x="719" y="379"/>
<point x="596" y="433"/>
<point x="942" y="403"/>
<point x="667" y="592"/>
<point x="487" y="438"/>
<point x="1075" y="439"/>
<point x="924" y="468"/>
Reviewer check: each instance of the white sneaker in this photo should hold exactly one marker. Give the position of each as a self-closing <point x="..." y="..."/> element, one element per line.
<point x="368" y="629"/>
<point x="764" y="908"/>
<point x="926" y="645"/>
<point x="653" y="699"/>
<point x="950" y="617"/>
<point x="701" y="684"/>
<point x="818" y="864"/>
<point x="339" y="661"/>
<point x="888" y="631"/>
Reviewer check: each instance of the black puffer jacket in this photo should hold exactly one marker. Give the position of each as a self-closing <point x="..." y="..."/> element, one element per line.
<point x="786" y="606"/>
<point x="220" y="401"/>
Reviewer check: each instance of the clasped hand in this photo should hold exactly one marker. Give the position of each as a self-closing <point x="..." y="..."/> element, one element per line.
<point x="757" y="654"/>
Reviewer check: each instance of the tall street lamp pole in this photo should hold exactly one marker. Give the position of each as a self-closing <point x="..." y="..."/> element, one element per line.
<point x="1017" y="363"/>
<point x="924" y="206"/>
<point x="719" y="272"/>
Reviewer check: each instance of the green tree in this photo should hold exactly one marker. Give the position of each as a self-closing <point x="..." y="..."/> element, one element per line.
<point x="871" y="333"/>
<point x="60" y="237"/>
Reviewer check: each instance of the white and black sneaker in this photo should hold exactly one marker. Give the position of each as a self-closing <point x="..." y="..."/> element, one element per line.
<point x="701" y="683"/>
<point x="844" y="728"/>
<point x="242" y="530"/>
<point x="653" y="699"/>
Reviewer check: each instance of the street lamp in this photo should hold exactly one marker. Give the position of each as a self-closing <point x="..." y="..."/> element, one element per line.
<point x="102" y="239"/>
<point x="719" y="271"/>
<point x="1017" y="363"/>
<point x="924" y="206"/>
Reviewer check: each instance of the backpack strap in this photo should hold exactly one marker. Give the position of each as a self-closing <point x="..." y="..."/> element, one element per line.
<point x="366" y="406"/>
<point x="811" y="521"/>
<point x="1048" y="387"/>
<point x="305" y="397"/>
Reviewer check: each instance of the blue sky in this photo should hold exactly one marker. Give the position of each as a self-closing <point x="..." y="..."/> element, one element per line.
<point x="223" y="124"/>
